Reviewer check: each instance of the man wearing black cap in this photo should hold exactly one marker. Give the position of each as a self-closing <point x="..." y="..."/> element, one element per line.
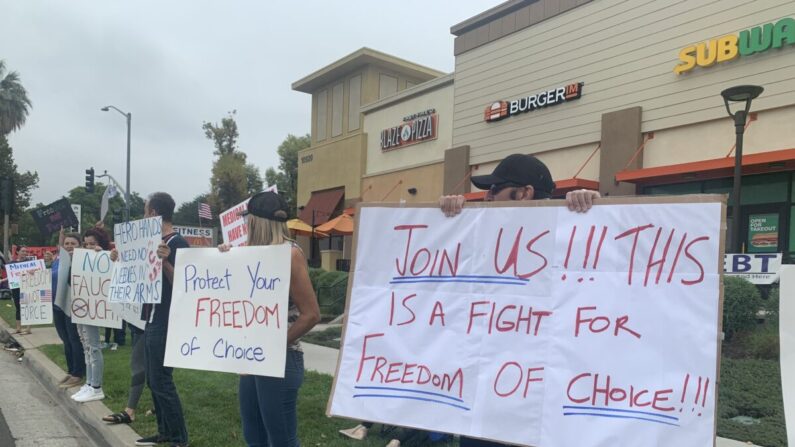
<point x="517" y="177"/>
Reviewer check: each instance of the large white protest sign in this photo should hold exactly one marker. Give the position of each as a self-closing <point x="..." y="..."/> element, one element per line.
<point x="233" y="225"/>
<point x="137" y="274"/>
<point x="229" y="310"/>
<point x="14" y="270"/>
<point x="90" y="282"/>
<point x="518" y="321"/>
<point x="131" y="313"/>
<point x="787" y="337"/>
<point x="35" y="297"/>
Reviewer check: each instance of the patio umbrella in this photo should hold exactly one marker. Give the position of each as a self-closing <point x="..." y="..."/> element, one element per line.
<point x="302" y="228"/>
<point x="341" y="225"/>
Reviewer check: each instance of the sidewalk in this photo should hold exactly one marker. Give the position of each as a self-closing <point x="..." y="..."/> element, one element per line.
<point x="316" y="358"/>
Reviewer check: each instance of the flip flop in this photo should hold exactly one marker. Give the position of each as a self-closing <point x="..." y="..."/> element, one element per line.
<point x="118" y="418"/>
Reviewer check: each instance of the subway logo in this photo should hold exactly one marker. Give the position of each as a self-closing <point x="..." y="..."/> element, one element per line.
<point x="731" y="46"/>
<point x="503" y="109"/>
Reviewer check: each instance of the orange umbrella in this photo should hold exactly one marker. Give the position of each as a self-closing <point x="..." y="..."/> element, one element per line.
<point x="298" y="226"/>
<point x="341" y="225"/>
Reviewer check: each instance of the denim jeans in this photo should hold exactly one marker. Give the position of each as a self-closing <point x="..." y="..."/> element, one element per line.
<point x="137" y="367"/>
<point x="95" y="364"/>
<point x="72" y="347"/>
<point x="268" y="405"/>
<point x="168" y="408"/>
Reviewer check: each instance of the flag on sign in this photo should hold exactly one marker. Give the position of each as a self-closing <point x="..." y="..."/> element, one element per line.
<point x="204" y="211"/>
<point x="46" y="295"/>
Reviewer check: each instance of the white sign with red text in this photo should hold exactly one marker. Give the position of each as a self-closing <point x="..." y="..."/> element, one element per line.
<point x="233" y="225"/>
<point x="516" y="324"/>
<point x="15" y="269"/>
<point x="90" y="281"/>
<point x="229" y="310"/>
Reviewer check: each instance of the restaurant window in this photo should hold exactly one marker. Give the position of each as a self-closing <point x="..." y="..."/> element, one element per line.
<point x="321" y="118"/>
<point x="674" y="189"/>
<point x="765" y="188"/>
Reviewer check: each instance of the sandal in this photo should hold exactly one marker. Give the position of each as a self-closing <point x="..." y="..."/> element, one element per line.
<point x="118" y="418"/>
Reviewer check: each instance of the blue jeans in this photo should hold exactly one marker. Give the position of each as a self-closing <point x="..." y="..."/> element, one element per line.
<point x="95" y="363"/>
<point x="268" y="405"/>
<point x="72" y="347"/>
<point x="168" y="408"/>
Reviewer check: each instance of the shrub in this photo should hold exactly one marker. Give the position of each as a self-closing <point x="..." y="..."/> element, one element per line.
<point x="331" y="289"/>
<point x="741" y="302"/>
<point x="771" y="305"/>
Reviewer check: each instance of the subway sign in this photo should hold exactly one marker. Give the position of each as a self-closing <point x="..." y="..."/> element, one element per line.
<point x="758" y="39"/>
<point x="503" y="109"/>
<point x="416" y="128"/>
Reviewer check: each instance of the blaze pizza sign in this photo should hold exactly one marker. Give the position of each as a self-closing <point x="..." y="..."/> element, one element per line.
<point x="503" y="109"/>
<point x="416" y="128"/>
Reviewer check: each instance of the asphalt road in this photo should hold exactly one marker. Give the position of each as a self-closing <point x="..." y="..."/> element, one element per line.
<point x="28" y="415"/>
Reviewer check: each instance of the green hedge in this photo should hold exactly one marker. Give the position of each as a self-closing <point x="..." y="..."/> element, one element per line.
<point x="741" y="303"/>
<point x="330" y="288"/>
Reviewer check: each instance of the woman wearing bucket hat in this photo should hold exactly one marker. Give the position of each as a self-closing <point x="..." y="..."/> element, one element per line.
<point x="268" y="404"/>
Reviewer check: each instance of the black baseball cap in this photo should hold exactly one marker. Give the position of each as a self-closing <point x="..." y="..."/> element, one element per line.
<point x="519" y="170"/>
<point x="267" y="205"/>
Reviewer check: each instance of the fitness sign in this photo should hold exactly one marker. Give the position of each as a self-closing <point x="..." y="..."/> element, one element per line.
<point x="503" y="109"/>
<point x="416" y="128"/>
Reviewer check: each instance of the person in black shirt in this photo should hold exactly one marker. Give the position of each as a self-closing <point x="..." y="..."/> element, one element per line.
<point x="168" y="408"/>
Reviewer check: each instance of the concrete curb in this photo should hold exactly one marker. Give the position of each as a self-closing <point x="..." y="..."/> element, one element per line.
<point x="88" y="415"/>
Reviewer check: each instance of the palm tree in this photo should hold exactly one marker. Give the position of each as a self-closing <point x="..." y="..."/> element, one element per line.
<point x="14" y="102"/>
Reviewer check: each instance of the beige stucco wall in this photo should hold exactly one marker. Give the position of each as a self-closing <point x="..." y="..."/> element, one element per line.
<point x="625" y="53"/>
<point x="385" y="187"/>
<point x="773" y="130"/>
<point x="392" y="115"/>
<point x="333" y="165"/>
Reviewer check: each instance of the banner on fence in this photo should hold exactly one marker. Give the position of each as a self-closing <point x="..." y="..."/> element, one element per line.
<point x="196" y="236"/>
<point x="229" y="310"/>
<point x="758" y="268"/>
<point x="517" y="321"/>
<point x="35" y="297"/>
<point x="90" y="282"/>
<point x="137" y="274"/>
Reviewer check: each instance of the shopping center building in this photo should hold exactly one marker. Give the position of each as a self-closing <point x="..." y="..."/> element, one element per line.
<point x="619" y="96"/>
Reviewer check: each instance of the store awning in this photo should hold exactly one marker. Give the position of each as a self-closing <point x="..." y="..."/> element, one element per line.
<point x="561" y="188"/>
<point x="321" y="204"/>
<point x="781" y="160"/>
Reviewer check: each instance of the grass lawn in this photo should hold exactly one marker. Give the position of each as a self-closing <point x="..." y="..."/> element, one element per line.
<point x="211" y="409"/>
<point x="329" y="337"/>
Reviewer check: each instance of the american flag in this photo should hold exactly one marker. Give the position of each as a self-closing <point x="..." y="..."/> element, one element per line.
<point x="46" y="295"/>
<point x="204" y="211"/>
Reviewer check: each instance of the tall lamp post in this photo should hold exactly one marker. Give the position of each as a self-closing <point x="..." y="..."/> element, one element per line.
<point x="739" y="94"/>
<point x="128" y="116"/>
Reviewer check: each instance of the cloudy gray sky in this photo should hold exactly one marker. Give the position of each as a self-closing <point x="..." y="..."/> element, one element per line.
<point x="175" y="64"/>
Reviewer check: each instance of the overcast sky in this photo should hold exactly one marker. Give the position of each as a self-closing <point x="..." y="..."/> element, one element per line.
<point x="175" y="64"/>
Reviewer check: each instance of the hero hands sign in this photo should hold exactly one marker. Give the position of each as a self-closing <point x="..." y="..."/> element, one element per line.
<point x="416" y="128"/>
<point x="726" y="48"/>
<point x="503" y="109"/>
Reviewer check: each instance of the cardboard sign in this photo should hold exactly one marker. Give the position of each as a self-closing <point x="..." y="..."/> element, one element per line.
<point x="196" y="236"/>
<point x="35" y="297"/>
<point x="52" y="217"/>
<point x="787" y="337"/>
<point x="517" y="321"/>
<point x="233" y="225"/>
<point x="758" y="268"/>
<point x="62" y="282"/>
<point x="17" y="269"/>
<point x="91" y="275"/>
<point x="229" y="310"/>
<point x="137" y="275"/>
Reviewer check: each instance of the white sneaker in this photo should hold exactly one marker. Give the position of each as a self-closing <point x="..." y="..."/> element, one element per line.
<point x="91" y="395"/>
<point x="393" y="443"/>
<point x="359" y="432"/>
<point x="83" y="389"/>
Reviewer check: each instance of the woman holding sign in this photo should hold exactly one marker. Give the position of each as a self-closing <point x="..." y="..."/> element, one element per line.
<point x="22" y="255"/>
<point x="94" y="239"/>
<point x="268" y="404"/>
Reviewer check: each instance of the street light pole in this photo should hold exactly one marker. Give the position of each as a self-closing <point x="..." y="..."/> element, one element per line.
<point x="128" y="117"/>
<point x="741" y="93"/>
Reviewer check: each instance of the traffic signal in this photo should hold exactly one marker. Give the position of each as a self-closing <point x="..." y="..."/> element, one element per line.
<point x="7" y="195"/>
<point x="90" y="180"/>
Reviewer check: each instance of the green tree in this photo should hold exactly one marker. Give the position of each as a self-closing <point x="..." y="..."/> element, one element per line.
<point x="232" y="178"/>
<point x="14" y="101"/>
<point x="286" y="178"/>
<point x="253" y="179"/>
<point x="224" y="136"/>
<point x="24" y="182"/>
<point x="188" y="212"/>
